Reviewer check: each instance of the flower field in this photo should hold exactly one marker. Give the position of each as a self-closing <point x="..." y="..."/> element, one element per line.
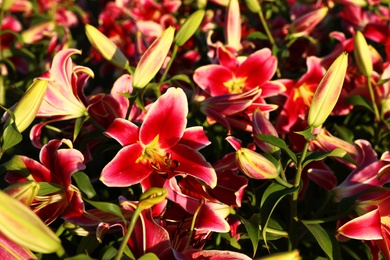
<point x="195" y="129"/>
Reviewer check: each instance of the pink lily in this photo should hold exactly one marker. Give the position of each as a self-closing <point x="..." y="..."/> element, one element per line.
<point x="57" y="166"/>
<point x="372" y="223"/>
<point x="234" y="76"/>
<point x="156" y="146"/>
<point x="370" y="173"/>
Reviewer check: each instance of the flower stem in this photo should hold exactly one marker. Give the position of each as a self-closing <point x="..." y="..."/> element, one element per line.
<point x="129" y="231"/>
<point x="372" y="95"/>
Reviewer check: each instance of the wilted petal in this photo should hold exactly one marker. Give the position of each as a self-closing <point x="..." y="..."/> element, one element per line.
<point x="123" y="170"/>
<point x="365" y="227"/>
<point x="166" y="119"/>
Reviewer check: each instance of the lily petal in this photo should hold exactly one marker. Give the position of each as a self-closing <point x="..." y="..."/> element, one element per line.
<point x="365" y="227"/>
<point x="124" y="131"/>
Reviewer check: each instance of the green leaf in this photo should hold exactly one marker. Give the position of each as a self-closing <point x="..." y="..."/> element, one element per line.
<point x="77" y="126"/>
<point x="257" y="36"/>
<point x="80" y="257"/>
<point x="16" y="164"/>
<point x="318" y="156"/>
<point x="276" y="141"/>
<point x="270" y="199"/>
<point x="46" y="188"/>
<point x="84" y="184"/>
<point x="326" y="242"/>
<point x="189" y="27"/>
<point x="360" y="101"/>
<point x="107" y="207"/>
<point x="182" y="77"/>
<point x="252" y="227"/>
<point x="307" y="134"/>
<point x="11" y="137"/>
<point x="148" y="256"/>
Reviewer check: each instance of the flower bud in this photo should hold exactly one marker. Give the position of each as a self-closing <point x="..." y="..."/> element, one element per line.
<point x="153" y="58"/>
<point x="253" y="6"/>
<point x="305" y="24"/>
<point x="261" y="125"/>
<point x="29" y="104"/>
<point x="106" y="47"/>
<point x="22" y="226"/>
<point x="233" y="25"/>
<point x="25" y="192"/>
<point x="152" y="197"/>
<point x="189" y="27"/>
<point x="362" y="55"/>
<point x="254" y="165"/>
<point x="328" y="92"/>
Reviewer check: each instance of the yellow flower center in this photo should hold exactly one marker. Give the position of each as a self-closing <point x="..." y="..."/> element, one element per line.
<point x="159" y="159"/>
<point x="305" y="93"/>
<point x="235" y="85"/>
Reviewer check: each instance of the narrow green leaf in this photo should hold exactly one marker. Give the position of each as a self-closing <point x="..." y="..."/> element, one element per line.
<point x="307" y="134"/>
<point x="326" y="242"/>
<point x="80" y="257"/>
<point x="318" y="156"/>
<point x="359" y="101"/>
<point x="189" y="27"/>
<point x="182" y="77"/>
<point x="77" y="127"/>
<point x="107" y="207"/>
<point x="257" y="36"/>
<point x="276" y="141"/>
<point x="46" y="188"/>
<point x="271" y="198"/>
<point x="252" y="227"/>
<point x="84" y="184"/>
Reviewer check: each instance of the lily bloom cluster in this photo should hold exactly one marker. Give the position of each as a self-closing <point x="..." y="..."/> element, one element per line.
<point x="218" y="129"/>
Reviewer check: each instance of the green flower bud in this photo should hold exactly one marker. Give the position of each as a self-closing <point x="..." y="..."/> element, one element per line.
<point x="29" y="104"/>
<point x="22" y="226"/>
<point x="328" y="92"/>
<point x="153" y="58"/>
<point x="106" y="47"/>
<point x="362" y="55"/>
<point x="152" y="197"/>
<point x="189" y="27"/>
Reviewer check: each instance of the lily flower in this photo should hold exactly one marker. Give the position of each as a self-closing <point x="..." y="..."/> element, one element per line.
<point x="56" y="167"/>
<point x="156" y="146"/>
<point x="238" y="75"/>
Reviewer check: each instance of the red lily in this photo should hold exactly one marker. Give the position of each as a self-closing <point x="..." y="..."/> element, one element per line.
<point x="156" y="146"/>
<point x="57" y="166"/>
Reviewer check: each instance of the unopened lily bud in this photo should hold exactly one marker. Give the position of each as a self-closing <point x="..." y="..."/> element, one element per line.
<point x="22" y="226"/>
<point x="189" y="27"/>
<point x="292" y="255"/>
<point x="152" y="197"/>
<point x="106" y="47"/>
<point x="233" y="25"/>
<point x="6" y="4"/>
<point x="254" y="165"/>
<point x="305" y="24"/>
<point x="261" y="125"/>
<point x="362" y="55"/>
<point x="25" y="192"/>
<point x="253" y="6"/>
<point x="29" y="104"/>
<point x="153" y="58"/>
<point x="328" y="92"/>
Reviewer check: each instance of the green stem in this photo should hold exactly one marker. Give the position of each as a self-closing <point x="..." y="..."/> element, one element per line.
<point x="193" y="224"/>
<point x="294" y="203"/>
<point x="372" y="95"/>
<point x="129" y="231"/>
<point x="269" y="35"/>
<point x="173" y="55"/>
